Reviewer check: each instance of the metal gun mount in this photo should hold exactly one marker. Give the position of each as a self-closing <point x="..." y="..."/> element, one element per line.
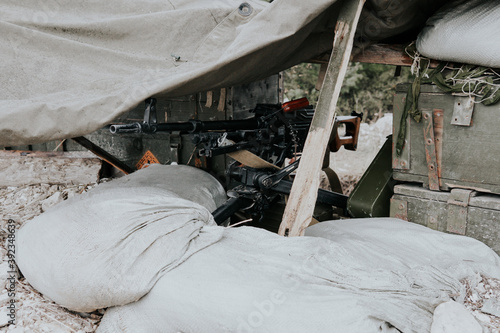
<point x="260" y="188"/>
<point x="276" y="132"/>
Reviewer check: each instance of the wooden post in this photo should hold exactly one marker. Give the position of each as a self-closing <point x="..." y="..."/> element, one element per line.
<point x="300" y="206"/>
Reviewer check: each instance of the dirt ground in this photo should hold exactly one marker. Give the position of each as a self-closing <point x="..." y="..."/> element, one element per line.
<point x="33" y="311"/>
<point x="36" y="313"/>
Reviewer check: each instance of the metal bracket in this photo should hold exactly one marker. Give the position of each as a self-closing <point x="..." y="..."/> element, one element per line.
<point x="175" y="146"/>
<point x="462" y="110"/>
<point x="399" y="209"/>
<point x="430" y="151"/>
<point x="458" y="207"/>
<point x="150" y="111"/>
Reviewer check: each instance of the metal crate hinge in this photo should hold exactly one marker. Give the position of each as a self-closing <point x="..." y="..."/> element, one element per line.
<point x="430" y="151"/>
<point x="399" y="209"/>
<point x="458" y="209"/>
<point x="438" y="119"/>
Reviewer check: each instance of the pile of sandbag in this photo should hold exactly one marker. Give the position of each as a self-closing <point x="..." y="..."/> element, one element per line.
<point x="160" y="264"/>
<point x="464" y="31"/>
<point x="109" y="246"/>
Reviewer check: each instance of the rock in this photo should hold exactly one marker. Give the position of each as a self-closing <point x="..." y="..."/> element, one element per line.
<point x="4" y="319"/>
<point x="4" y="272"/>
<point x="51" y="201"/>
<point x="491" y="306"/>
<point x="452" y="317"/>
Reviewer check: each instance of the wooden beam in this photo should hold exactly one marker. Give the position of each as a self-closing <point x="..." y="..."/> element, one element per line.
<point x="300" y="206"/>
<point x="102" y="154"/>
<point x="19" y="168"/>
<point x="386" y="54"/>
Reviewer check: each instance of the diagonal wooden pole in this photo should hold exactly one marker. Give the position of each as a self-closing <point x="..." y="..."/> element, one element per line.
<point x="300" y="206"/>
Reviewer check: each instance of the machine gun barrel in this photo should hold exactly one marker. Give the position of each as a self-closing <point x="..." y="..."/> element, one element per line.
<point x="191" y="126"/>
<point x="127" y="128"/>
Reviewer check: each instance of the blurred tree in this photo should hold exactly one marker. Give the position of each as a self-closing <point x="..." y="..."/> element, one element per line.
<point x="367" y="88"/>
<point x="300" y="81"/>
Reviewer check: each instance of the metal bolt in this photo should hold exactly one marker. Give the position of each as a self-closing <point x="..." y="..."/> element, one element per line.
<point x="267" y="182"/>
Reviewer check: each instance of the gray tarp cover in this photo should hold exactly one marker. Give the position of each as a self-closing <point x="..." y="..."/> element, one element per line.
<point x="70" y="67"/>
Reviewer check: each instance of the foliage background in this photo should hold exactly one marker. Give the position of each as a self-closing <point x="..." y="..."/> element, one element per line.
<point x="367" y="88"/>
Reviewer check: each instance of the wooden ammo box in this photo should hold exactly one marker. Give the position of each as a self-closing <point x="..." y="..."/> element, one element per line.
<point x="456" y="144"/>
<point x="449" y="165"/>
<point x="460" y="211"/>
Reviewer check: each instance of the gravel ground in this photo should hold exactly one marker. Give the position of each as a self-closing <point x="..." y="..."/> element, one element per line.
<point x="33" y="311"/>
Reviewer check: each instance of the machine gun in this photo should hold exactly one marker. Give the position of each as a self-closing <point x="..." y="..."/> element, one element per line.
<point x="276" y="132"/>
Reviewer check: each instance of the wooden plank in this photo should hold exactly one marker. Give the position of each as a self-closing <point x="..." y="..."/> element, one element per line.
<point x="19" y="168"/>
<point x="300" y="206"/>
<point x="386" y="54"/>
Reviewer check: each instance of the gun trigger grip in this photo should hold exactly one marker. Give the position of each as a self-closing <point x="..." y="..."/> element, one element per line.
<point x="350" y="139"/>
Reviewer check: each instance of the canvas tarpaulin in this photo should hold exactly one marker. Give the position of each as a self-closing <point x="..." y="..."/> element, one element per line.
<point x="70" y="67"/>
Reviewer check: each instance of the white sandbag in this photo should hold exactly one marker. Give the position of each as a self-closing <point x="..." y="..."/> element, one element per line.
<point x="370" y="275"/>
<point x="452" y="317"/>
<point x="110" y="246"/>
<point x="187" y="182"/>
<point x="464" y="32"/>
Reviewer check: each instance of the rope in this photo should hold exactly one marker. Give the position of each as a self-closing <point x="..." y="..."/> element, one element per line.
<point x="472" y="80"/>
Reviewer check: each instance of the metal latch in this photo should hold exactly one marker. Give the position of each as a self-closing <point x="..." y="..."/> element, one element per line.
<point x="458" y="209"/>
<point x="462" y="110"/>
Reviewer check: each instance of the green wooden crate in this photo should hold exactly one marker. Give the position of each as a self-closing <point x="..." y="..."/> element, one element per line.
<point x="456" y="144"/>
<point x="460" y="211"/>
